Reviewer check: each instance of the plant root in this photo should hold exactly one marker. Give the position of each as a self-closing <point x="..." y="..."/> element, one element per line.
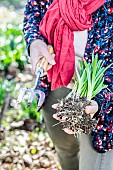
<point x="76" y="119"/>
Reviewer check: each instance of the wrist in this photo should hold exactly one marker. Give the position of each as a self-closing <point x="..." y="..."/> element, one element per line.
<point x="38" y="43"/>
<point x="99" y="109"/>
<point x="35" y="43"/>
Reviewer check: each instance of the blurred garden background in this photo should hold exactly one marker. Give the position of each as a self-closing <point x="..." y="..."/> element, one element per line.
<point x="24" y="143"/>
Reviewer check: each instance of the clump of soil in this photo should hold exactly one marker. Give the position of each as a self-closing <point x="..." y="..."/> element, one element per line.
<point x="73" y="110"/>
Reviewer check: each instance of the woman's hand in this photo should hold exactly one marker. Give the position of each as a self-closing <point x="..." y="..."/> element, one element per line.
<point x="92" y="108"/>
<point x="39" y="49"/>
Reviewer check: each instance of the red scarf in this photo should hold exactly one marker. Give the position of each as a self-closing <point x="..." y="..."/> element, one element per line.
<point x="61" y="19"/>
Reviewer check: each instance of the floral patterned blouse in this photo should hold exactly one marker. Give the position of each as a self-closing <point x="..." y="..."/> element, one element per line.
<point x="100" y="39"/>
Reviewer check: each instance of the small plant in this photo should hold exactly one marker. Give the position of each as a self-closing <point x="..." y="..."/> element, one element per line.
<point x="12" y="3"/>
<point x="5" y="86"/>
<point x="30" y="112"/>
<point x="12" y="46"/>
<point x="88" y="83"/>
<point x="90" y="79"/>
<point x="2" y="92"/>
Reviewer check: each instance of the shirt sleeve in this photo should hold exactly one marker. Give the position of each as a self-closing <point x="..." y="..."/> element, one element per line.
<point x="105" y="97"/>
<point x="105" y="101"/>
<point x="33" y="14"/>
<point x="100" y="40"/>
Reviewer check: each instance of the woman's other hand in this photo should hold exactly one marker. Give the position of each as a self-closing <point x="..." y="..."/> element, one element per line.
<point x="92" y="108"/>
<point x="39" y="49"/>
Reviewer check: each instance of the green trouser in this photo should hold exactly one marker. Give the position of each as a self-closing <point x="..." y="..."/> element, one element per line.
<point x="67" y="146"/>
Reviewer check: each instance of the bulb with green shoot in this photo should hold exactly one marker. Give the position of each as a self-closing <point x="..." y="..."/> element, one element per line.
<point x="89" y="82"/>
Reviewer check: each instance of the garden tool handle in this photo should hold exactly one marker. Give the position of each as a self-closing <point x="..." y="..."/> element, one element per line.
<point x="43" y="61"/>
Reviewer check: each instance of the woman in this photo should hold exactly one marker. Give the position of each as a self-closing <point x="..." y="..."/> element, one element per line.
<point x="100" y="39"/>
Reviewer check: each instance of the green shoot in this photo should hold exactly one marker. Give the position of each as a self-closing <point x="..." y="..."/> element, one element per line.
<point x="89" y="81"/>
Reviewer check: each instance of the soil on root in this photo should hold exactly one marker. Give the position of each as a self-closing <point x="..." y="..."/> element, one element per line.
<point x="73" y="110"/>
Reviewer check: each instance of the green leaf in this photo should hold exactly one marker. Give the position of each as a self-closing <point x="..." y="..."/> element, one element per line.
<point x="90" y="79"/>
<point x="94" y="68"/>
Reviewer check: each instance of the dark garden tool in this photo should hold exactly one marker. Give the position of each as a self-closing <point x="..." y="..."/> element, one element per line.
<point x="33" y="92"/>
